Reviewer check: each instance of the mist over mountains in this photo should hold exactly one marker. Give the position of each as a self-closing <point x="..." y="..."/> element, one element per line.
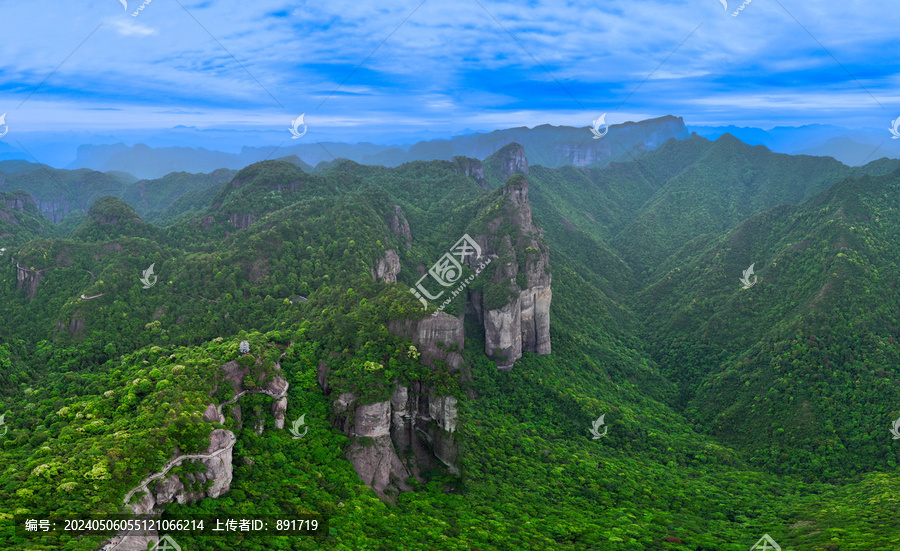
<point x="191" y="150"/>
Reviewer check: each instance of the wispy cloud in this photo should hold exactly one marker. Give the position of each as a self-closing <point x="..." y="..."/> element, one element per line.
<point x="450" y="65"/>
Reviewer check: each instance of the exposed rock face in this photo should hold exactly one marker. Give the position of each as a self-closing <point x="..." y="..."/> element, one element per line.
<point x="18" y="201"/>
<point x="375" y="460"/>
<point x="471" y="168"/>
<point x="413" y="431"/>
<point x="242" y="221"/>
<point x="399" y="438"/>
<point x="172" y="488"/>
<point x="423" y="426"/>
<point x="428" y="332"/>
<point x="523" y="321"/>
<point x="278" y="409"/>
<point x="74" y="327"/>
<point x="28" y="279"/>
<point x="387" y="268"/>
<point x="211" y="415"/>
<point x="511" y="159"/>
<point x="583" y="153"/>
<point x="272" y="384"/>
<point x="400" y="226"/>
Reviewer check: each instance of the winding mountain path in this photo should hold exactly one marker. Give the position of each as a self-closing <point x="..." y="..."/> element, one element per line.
<point x="89" y="298"/>
<point x="173" y="462"/>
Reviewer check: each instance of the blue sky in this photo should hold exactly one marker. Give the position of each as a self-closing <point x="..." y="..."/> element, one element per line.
<point x="367" y="71"/>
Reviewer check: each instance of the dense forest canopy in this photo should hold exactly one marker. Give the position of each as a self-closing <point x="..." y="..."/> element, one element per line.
<point x="728" y="413"/>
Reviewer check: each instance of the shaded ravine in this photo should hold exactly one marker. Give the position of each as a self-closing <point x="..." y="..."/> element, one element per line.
<point x="173" y="462"/>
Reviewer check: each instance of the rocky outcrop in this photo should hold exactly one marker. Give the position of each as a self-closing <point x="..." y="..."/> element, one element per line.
<point x="521" y="321"/>
<point x="438" y="338"/>
<point x="273" y="385"/>
<point x="509" y="160"/>
<point x="183" y="488"/>
<point x="18" y="200"/>
<point x="387" y="268"/>
<point x="371" y="449"/>
<point x="413" y="431"/>
<point x="400" y="226"/>
<point x="75" y="326"/>
<point x="28" y="279"/>
<point x="162" y="487"/>
<point x="396" y="439"/>
<point x="471" y="168"/>
<point x="242" y="221"/>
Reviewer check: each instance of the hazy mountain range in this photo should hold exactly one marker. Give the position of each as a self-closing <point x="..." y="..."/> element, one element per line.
<point x="185" y="149"/>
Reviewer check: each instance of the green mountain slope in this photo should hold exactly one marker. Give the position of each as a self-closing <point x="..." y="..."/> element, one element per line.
<point x="152" y="197"/>
<point x="701" y="385"/>
<point x="728" y="184"/>
<point x="20" y="220"/>
<point x="800" y="369"/>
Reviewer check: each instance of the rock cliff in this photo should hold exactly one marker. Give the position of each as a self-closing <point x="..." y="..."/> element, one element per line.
<point x="428" y="332"/>
<point x="28" y="279"/>
<point x="387" y="267"/>
<point x="396" y="439"/>
<point x="400" y="226"/>
<point x="167" y="487"/>
<point x="18" y="201"/>
<point x="272" y="384"/>
<point x="515" y="304"/>
<point x="413" y="431"/>
<point x="508" y="160"/>
<point x="186" y="487"/>
<point x="471" y="168"/>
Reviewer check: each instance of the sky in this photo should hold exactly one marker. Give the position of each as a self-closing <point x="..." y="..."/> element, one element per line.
<point x="374" y="71"/>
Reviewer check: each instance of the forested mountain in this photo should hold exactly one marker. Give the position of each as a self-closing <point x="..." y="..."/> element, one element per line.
<point x="57" y="193"/>
<point x="20" y="220"/>
<point x="577" y="299"/>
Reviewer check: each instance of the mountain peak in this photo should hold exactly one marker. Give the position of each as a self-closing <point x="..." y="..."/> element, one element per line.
<point x="110" y="218"/>
<point x="506" y="161"/>
<point x="110" y="210"/>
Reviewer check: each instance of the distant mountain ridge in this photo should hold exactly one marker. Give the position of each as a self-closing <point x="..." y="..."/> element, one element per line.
<point x="853" y="147"/>
<point x="551" y="146"/>
<point x="58" y="193"/>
